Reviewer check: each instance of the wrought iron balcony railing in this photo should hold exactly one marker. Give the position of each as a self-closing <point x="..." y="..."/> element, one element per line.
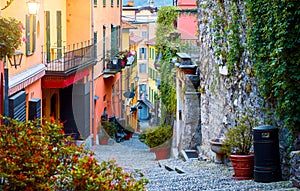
<point x="69" y="58"/>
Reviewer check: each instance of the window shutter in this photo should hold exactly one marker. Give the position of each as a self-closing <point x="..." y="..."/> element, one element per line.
<point x="112" y="2"/>
<point x="104" y="3"/>
<point x="104" y="45"/>
<point x="59" y="34"/>
<point x="47" y="14"/>
<point x="95" y="44"/>
<point x="28" y="35"/>
<point x="34" y="33"/>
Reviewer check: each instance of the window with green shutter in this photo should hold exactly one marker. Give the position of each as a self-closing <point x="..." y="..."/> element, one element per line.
<point x="104" y="45"/>
<point x="47" y="24"/>
<point x="118" y="3"/>
<point x="30" y="34"/>
<point x="95" y="3"/>
<point x="104" y="3"/>
<point x="112" y="2"/>
<point x="114" y="40"/>
<point x="59" y="34"/>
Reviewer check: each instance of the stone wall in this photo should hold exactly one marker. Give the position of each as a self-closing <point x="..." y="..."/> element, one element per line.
<point x="188" y="129"/>
<point x="223" y="94"/>
<point x="226" y="93"/>
<point x="295" y="168"/>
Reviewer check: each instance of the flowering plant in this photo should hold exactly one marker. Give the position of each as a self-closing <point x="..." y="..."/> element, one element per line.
<point x="11" y="38"/>
<point x="36" y="155"/>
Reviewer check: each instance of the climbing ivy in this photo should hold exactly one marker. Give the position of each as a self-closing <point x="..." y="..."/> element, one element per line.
<point x="274" y="43"/>
<point x="227" y="42"/>
<point x="167" y="42"/>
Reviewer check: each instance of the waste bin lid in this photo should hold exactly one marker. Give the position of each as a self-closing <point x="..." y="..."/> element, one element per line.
<point x="265" y="127"/>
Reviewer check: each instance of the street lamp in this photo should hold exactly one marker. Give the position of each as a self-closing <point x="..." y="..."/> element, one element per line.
<point x="16" y="59"/>
<point x="33" y="7"/>
<point x="136" y="78"/>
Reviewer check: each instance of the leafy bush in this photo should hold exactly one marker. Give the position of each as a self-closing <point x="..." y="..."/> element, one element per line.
<point x="239" y="139"/>
<point x="36" y="155"/>
<point x="10" y="36"/>
<point x="156" y="136"/>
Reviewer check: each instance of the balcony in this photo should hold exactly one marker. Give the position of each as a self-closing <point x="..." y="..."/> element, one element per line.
<point x="117" y="63"/>
<point x="68" y="59"/>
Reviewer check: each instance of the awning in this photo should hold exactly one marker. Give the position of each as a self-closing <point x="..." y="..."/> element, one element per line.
<point x="25" y="78"/>
<point x="108" y="75"/>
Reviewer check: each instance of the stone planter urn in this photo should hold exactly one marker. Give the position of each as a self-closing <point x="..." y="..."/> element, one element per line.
<point x="216" y="147"/>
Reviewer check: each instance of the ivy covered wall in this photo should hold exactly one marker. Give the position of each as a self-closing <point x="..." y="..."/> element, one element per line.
<point x="245" y="64"/>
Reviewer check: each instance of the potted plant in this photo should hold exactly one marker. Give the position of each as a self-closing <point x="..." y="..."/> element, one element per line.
<point x="238" y="145"/>
<point x="159" y="139"/>
<point x="129" y="130"/>
<point x="106" y="130"/>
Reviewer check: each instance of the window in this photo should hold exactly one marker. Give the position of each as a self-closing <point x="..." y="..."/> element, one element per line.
<point x="104" y="3"/>
<point x="112" y="3"/>
<point x="95" y="3"/>
<point x="30" y="34"/>
<point x="143" y="68"/>
<point x="104" y="45"/>
<point x="114" y="40"/>
<point x="144" y="34"/>
<point x="118" y="3"/>
<point x="143" y="53"/>
<point x="59" y="34"/>
<point x="47" y="24"/>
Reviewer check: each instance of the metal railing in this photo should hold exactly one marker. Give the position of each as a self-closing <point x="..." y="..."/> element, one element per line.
<point x="62" y="59"/>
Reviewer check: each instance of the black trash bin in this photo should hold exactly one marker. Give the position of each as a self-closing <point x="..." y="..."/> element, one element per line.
<point x="266" y="154"/>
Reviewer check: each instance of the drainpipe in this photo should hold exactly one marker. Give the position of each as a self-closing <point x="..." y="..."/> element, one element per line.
<point x="5" y="91"/>
<point x="93" y="93"/>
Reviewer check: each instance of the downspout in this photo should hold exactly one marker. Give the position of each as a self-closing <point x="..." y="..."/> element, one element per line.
<point x="93" y="130"/>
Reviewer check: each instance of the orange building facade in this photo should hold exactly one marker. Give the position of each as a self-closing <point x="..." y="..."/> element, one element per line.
<point x="67" y="72"/>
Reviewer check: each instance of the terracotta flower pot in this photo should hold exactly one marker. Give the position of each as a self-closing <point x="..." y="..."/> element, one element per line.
<point x="243" y="166"/>
<point x="161" y="153"/>
<point x="103" y="140"/>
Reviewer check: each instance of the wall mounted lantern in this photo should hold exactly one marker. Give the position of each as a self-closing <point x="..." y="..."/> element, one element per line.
<point x="16" y="59"/>
<point x="33" y="7"/>
<point x="136" y="78"/>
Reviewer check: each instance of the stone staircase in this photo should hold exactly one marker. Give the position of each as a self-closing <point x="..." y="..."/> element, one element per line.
<point x="178" y="175"/>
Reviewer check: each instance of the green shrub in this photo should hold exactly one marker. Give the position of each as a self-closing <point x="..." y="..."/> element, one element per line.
<point x="156" y="136"/>
<point x="239" y="139"/>
<point x="36" y="155"/>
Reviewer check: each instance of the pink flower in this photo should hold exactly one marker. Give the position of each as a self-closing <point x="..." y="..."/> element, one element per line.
<point x="24" y="39"/>
<point x="21" y="27"/>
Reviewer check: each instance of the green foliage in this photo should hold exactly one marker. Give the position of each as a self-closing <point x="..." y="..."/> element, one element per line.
<point x="167" y="15"/>
<point x="156" y="136"/>
<point x="10" y="36"/>
<point x="168" y="43"/>
<point x="36" y="155"/>
<point x="239" y="139"/>
<point x="274" y="44"/>
<point x="228" y="27"/>
<point x="109" y="128"/>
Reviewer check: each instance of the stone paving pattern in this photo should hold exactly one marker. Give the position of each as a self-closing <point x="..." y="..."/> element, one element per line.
<point x="198" y="175"/>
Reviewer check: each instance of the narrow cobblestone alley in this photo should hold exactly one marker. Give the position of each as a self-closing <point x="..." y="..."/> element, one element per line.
<point x="176" y="174"/>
